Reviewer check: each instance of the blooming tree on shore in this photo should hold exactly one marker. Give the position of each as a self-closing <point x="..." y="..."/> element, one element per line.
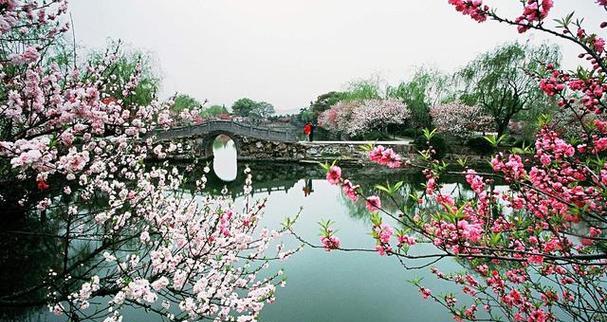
<point x="536" y="250"/>
<point x="460" y="120"/>
<point x="359" y="117"/>
<point x="133" y="234"/>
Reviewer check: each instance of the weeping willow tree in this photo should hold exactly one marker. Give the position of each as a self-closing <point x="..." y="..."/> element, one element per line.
<point x="503" y="82"/>
<point x="363" y="89"/>
<point x="426" y="88"/>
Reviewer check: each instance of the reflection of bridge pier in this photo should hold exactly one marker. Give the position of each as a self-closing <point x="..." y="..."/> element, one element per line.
<point x="267" y="178"/>
<point x="271" y="185"/>
<point x="269" y="189"/>
<point x="276" y="177"/>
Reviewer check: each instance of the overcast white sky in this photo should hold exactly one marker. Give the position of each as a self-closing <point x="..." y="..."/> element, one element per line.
<point x="288" y="52"/>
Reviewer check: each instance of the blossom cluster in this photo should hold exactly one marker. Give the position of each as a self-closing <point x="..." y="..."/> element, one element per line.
<point x="385" y="156"/>
<point x="473" y="8"/>
<point x="460" y="120"/>
<point x="533" y="11"/>
<point x="77" y="143"/>
<point x="359" y="117"/>
<point x="196" y="247"/>
<point x="530" y="244"/>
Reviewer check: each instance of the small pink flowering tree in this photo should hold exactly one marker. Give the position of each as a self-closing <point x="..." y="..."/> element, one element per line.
<point x="73" y="151"/>
<point x="356" y="118"/>
<point x="536" y="250"/>
<point x="377" y="114"/>
<point x="336" y="118"/>
<point x="460" y="120"/>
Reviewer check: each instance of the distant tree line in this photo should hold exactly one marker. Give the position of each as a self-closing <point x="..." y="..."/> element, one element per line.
<point x="498" y="85"/>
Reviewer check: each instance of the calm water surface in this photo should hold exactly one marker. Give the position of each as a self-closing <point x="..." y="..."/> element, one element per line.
<point x="336" y="286"/>
<point x="322" y="286"/>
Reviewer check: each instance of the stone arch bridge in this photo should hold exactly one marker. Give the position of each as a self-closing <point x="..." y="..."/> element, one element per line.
<point x="251" y="141"/>
<point x="255" y="143"/>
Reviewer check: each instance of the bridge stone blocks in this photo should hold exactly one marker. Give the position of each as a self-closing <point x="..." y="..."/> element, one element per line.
<point x="255" y="143"/>
<point x="251" y="149"/>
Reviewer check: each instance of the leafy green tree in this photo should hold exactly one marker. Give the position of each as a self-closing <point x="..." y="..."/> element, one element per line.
<point x="322" y="103"/>
<point x="243" y="107"/>
<point x="262" y="110"/>
<point x="426" y="88"/>
<point x="214" y="110"/>
<point x="184" y="101"/>
<point x="362" y="90"/>
<point x="305" y="115"/>
<point x="247" y="107"/>
<point x="502" y="81"/>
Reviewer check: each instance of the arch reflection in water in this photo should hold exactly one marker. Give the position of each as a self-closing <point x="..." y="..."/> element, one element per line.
<point x="225" y="164"/>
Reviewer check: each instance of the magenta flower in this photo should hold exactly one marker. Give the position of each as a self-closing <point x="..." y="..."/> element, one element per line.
<point x="373" y="203"/>
<point x="376" y="154"/>
<point x="472" y="8"/>
<point x="350" y="190"/>
<point x="535" y="259"/>
<point x="475" y="181"/>
<point x="330" y="242"/>
<point x="334" y="174"/>
<point x="404" y="239"/>
<point x="383" y="249"/>
<point x="383" y="156"/>
<point x="471" y="232"/>
<point x="599" y="44"/>
<point x="425" y="292"/>
<point x="384" y="233"/>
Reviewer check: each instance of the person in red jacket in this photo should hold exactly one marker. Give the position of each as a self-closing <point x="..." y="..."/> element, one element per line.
<point x="308" y="130"/>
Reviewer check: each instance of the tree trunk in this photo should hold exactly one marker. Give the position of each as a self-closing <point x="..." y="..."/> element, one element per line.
<point x="502" y="127"/>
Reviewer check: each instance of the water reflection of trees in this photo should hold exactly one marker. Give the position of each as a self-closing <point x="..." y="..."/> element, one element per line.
<point x="221" y="141"/>
<point x="28" y="248"/>
<point x="404" y="196"/>
<point x="405" y="200"/>
<point x="47" y="259"/>
<point x="267" y="178"/>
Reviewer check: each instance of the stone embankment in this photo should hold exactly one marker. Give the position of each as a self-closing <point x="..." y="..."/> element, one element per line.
<point x="250" y="149"/>
<point x="313" y="151"/>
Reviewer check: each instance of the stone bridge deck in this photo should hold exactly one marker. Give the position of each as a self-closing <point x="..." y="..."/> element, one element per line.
<point x="258" y="143"/>
<point x="209" y="128"/>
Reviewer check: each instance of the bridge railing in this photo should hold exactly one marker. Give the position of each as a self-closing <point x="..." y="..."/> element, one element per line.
<point x="225" y="126"/>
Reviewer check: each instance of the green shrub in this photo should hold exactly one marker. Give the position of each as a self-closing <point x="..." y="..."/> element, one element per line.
<point x="509" y="141"/>
<point x="522" y="142"/>
<point x="410" y="132"/>
<point x="437" y="142"/>
<point x="375" y="136"/>
<point x="480" y="145"/>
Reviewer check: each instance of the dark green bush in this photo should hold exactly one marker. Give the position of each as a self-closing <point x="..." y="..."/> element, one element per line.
<point x="480" y="145"/>
<point x="375" y="136"/>
<point x="509" y="141"/>
<point x="522" y="142"/>
<point x="410" y="132"/>
<point x="437" y="142"/>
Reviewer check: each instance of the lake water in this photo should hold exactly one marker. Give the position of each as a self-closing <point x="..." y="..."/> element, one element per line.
<point x="336" y="286"/>
<point x="322" y="286"/>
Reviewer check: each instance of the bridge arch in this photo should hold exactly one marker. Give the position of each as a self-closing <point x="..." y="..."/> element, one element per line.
<point x="209" y="139"/>
<point x="247" y="138"/>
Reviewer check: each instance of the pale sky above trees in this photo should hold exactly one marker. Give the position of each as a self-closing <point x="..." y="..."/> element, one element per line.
<point x="287" y="52"/>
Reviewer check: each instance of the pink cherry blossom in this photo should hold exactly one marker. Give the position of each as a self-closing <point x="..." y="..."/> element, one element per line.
<point x="373" y="203"/>
<point x="330" y="243"/>
<point x="334" y="175"/>
<point x="350" y="190"/>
